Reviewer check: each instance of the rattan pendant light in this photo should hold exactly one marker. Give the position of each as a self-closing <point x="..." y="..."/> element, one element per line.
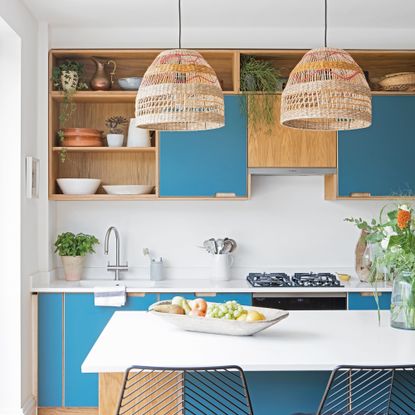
<point x="180" y="91"/>
<point x="327" y="90"/>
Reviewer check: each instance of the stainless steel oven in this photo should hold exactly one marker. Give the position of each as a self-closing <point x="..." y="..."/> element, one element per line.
<point x="301" y="301"/>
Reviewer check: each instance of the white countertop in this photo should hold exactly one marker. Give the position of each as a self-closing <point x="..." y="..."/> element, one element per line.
<point x="194" y="285"/>
<point x="306" y="340"/>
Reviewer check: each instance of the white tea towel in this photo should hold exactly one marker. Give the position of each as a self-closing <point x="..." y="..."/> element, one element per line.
<point x="110" y="296"/>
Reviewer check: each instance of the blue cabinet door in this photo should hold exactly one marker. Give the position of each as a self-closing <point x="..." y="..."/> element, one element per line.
<point x="241" y="298"/>
<point x="50" y="329"/>
<point x="203" y="163"/>
<point x="379" y="159"/>
<point x="83" y="324"/>
<point x="357" y="301"/>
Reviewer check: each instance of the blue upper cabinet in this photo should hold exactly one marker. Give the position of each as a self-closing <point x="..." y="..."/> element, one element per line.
<point x="203" y="163"/>
<point x="83" y="324"/>
<point x="379" y="159"/>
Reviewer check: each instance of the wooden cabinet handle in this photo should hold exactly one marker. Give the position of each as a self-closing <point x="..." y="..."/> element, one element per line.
<point x="360" y="194"/>
<point x="370" y="294"/>
<point x="205" y="294"/>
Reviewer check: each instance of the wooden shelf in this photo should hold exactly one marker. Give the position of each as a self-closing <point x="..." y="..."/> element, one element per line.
<point x="96" y="197"/>
<point x="106" y="149"/>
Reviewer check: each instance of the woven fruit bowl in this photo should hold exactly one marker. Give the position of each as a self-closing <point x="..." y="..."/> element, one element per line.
<point x="221" y="326"/>
<point x="402" y="81"/>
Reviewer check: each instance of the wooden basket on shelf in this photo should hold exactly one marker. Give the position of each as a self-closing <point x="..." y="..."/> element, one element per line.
<point x="402" y="81"/>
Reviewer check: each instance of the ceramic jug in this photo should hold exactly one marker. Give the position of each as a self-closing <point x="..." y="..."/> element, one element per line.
<point x="221" y="267"/>
<point x="101" y="81"/>
<point x="137" y="137"/>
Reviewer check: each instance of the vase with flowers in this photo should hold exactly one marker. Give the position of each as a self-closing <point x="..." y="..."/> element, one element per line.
<point x="394" y="232"/>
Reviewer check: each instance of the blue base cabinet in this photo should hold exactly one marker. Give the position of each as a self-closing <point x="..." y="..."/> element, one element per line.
<point x="286" y="393"/>
<point x="203" y="163"/>
<point x="241" y="298"/>
<point x="50" y="349"/>
<point x="379" y="159"/>
<point x="360" y="301"/>
<point x="68" y="326"/>
<point x="83" y="324"/>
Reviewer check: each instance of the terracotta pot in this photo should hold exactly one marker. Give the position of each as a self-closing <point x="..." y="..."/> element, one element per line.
<point x="69" y="80"/>
<point x="73" y="266"/>
<point x="82" y="137"/>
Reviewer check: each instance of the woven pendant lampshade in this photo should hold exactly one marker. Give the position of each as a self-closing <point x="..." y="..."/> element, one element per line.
<point x="327" y="90"/>
<point x="180" y="91"/>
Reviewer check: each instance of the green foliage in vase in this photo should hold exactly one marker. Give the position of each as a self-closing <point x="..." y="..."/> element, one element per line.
<point x="63" y="72"/>
<point x="69" y="244"/>
<point x="259" y="76"/>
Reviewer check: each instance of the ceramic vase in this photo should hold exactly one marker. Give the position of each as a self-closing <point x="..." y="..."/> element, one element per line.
<point x="115" y="140"/>
<point x="137" y="137"/>
<point x="72" y="267"/>
<point x="69" y="80"/>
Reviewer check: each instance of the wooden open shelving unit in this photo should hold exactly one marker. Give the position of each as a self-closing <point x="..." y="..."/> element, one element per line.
<point x="140" y="166"/>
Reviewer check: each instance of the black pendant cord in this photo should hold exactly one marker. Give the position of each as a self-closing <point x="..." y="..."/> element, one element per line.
<point x="180" y="24"/>
<point x="325" y="23"/>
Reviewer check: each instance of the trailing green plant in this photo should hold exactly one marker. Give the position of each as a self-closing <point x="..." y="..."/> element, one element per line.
<point x="64" y="72"/>
<point x="259" y="76"/>
<point x="69" y="244"/>
<point x="113" y="124"/>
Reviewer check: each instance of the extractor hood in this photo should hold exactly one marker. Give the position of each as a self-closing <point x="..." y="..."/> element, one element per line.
<point x="295" y="171"/>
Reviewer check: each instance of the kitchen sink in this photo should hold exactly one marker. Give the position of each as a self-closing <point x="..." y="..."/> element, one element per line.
<point x="112" y="283"/>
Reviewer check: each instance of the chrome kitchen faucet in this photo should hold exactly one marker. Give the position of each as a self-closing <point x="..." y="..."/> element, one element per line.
<point x="117" y="267"/>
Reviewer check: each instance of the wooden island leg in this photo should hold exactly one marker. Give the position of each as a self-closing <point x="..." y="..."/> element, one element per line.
<point x="110" y="385"/>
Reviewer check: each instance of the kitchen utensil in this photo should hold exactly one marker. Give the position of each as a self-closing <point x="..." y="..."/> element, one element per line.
<point x="137" y="137"/>
<point x="221" y="267"/>
<point x="230" y="244"/>
<point x="220" y="245"/>
<point x="78" y="186"/>
<point x="156" y="269"/>
<point x="81" y="137"/>
<point x="100" y="80"/>
<point x="210" y="246"/>
<point x="137" y="189"/>
<point x="222" y="326"/>
<point x="131" y="83"/>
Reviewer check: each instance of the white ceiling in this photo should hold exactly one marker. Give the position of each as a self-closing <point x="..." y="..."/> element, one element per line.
<point x="399" y="14"/>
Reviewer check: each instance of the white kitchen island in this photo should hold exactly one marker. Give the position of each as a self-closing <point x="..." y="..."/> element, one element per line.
<point x="307" y="341"/>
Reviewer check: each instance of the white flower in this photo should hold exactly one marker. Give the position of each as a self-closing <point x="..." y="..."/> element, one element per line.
<point x="388" y="231"/>
<point x="404" y="207"/>
<point x="384" y="243"/>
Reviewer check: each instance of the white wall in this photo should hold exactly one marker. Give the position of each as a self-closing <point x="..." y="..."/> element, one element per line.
<point x="286" y="224"/>
<point x="17" y="304"/>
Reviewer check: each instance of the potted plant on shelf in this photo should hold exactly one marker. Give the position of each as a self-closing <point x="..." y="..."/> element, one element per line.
<point x="115" y="136"/>
<point x="394" y="236"/>
<point x="72" y="250"/>
<point x="67" y="77"/>
<point x="260" y="76"/>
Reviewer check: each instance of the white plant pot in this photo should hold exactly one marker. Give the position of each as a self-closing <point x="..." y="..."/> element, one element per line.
<point x="115" y="140"/>
<point x="73" y="267"/>
<point x="69" y="80"/>
<point x="137" y="137"/>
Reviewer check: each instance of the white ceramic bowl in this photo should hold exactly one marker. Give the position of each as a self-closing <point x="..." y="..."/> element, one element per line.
<point x="79" y="186"/>
<point x="222" y="326"/>
<point x="135" y="189"/>
<point x="130" y="84"/>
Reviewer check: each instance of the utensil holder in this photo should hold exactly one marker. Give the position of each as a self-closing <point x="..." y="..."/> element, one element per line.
<point x="221" y="267"/>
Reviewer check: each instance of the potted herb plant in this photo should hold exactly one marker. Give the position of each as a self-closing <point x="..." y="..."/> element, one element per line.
<point x="67" y="77"/>
<point x="394" y="233"/>
<point x="260" y="76"/>
<point x="115" y="136"/>
<point x="72" y="250"/>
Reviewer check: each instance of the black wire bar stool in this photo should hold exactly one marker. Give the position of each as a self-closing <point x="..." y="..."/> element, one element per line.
<point x="184" y="391"/>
